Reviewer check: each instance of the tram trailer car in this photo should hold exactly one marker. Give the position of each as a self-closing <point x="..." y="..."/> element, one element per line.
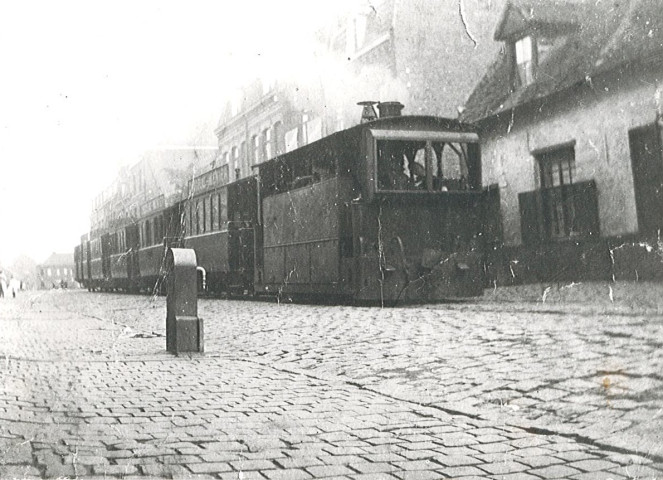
<point x="157" y="231"/>
<point x="387" y="210"/>
<point x="220" y="221"/>
<point x="129" y="258"/>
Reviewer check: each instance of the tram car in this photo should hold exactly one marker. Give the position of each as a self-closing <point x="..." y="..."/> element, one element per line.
<point x="220" y="220"/>
<point x="130" y="257"/>
<point x="390" y="209"/>
<point x="387" y="210"/>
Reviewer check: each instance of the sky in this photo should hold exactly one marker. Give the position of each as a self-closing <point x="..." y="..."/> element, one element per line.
<point x="87" y="86"/>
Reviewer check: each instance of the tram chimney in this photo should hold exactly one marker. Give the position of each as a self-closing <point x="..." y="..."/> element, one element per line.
<point x="368" y="114"/>
<point x="390" y="109"/>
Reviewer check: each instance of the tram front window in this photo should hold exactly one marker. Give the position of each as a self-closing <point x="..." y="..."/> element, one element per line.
<point x="406" y="165"/>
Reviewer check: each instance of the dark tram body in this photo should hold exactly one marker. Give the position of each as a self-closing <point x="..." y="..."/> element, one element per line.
<point x="388" y="210"/>
<point x="219" y="224"/>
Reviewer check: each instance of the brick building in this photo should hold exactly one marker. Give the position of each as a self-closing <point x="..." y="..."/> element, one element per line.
<point x="571" y="119"/>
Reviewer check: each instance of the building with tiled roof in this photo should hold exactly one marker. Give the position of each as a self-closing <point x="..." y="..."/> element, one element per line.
<point x="56" y="271"/>
<point x="570" y="115"/>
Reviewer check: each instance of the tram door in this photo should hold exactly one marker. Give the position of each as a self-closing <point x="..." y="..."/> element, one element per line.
<point x="240" y="240"/>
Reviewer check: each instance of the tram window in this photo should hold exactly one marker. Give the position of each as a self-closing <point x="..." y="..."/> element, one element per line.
<point x="397" y="167"/>
<point x="223" y="208"/>
<point x="192" y="219"/>
<point x="198" y="219"/>
<point x="421" y="165"/>
<point x="214" y="200"/>
<point x="205" y="214"/>
<point x="158" y="231"/>
<point x="451" y="165"/>
<point x="148" y="233"/>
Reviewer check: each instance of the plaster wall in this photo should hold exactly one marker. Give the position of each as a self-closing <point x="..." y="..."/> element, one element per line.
<point x="596" y="118"/>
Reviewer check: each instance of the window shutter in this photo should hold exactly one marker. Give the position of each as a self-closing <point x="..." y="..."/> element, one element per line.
<point x="586" y="205"/>
<point x="530" y="217"/>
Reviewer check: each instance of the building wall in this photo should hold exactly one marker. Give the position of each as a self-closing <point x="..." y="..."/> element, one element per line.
<point x="440" y="53"/>
<point x="258" y="111"/>
<point x="54" y="276"/>
<point x="598" y="117"/>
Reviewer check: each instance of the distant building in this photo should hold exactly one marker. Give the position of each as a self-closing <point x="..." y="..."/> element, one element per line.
<point x="159" y="177"/>
<point x="57" y="271"/>
<point x="571" y="119"/>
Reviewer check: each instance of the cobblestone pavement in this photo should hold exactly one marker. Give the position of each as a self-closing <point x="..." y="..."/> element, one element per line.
<point x="471" y="390"/>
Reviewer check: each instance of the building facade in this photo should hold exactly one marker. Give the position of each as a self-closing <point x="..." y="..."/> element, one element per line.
<point x="570" y="118"/>
<point x="57" y="271"/>
<point x="156" y="180"/>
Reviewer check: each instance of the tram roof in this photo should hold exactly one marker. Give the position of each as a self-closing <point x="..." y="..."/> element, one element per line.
<point x="403" y="122"/>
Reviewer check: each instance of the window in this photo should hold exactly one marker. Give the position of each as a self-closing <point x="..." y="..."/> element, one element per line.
<point x="278" y="140"/>
<point x="355" y="33"/>
<point x="557" y="169"/>
<point x="189" y="219"/>
<point x="292" y="139"/>
<point x="235" y="160"/>
<point x="158" y="230"/>
<point x="244" y="160"/>
<point x="532" y="52"/>
<point x="423" y="165"/>
<point x="203" y="215"/>
<point x="223" y="208"/>
<point x="199" y="218"/>
<point x="148" y="232"/>
<point x="524" y="60"/>
<point x="255" y="144"/>
<point x="214" y="200"/>
<point x="562" y="208"/>
<point x="266" y="144"/>
<point x="49" y="272"/>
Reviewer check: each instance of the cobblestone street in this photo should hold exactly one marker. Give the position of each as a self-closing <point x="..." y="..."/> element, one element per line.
<point x="480" y="389"/>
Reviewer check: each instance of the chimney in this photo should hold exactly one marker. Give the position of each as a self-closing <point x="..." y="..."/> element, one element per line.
<point x="368" y="114"/>
<point x="390" y="109"/>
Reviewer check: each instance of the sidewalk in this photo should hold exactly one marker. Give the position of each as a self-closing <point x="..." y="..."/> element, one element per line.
<point x="620" y="298"/>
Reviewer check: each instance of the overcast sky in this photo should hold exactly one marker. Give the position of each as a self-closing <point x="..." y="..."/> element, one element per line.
<point x="87" y="86"/>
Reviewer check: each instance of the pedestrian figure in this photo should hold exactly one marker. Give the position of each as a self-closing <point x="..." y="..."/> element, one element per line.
<point x="3" y="283"/>
<point x="14" y="286"/>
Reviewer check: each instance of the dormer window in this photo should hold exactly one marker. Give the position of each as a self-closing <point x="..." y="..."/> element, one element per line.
<point x="532" y="52"/>
<point x="535" y="34"/>
<point x="525" y="60"/>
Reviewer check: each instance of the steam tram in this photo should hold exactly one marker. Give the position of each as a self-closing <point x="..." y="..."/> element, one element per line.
<point x="388" y="210"/>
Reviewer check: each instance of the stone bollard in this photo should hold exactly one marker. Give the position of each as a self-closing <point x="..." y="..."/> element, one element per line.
<point x="184" y="330"/>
